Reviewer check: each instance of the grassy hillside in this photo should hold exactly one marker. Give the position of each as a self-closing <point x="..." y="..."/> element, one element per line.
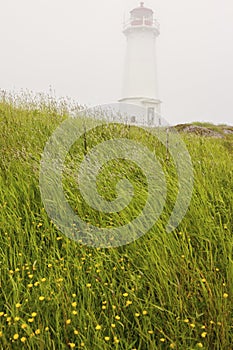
<point x="164" y="291"/>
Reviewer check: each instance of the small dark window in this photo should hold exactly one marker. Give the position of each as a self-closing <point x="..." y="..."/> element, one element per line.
<point x="133" y="119"/>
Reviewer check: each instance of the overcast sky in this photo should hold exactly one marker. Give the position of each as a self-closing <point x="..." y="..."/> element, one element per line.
<point x="77" y="47"/>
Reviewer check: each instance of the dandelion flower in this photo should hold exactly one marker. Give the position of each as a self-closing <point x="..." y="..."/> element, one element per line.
<point x="117" y="317"/>
<point x="98" y="327"/>
<point x="107" y="338"/>
<point x="68" y="321"/>
<point x="41" y="298"/>
<point x="74" y="304"/>
<point x="24" y="325"/>
<point x="199" y="345"/>
<point x="225" y="295"/>
<point x="37" y="332"/>
<point x="16" y="336"/>
<point x="18" y="305"/>
<point x="203" y="335"/>
<point x="144" y="312"/>
<point x="33" y="314"/>
<point x="71" y="345"/>
<point x="23" y="339"/>
<point x="116" y="340"/>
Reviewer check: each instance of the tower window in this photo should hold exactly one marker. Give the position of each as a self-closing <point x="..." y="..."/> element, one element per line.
<point x="151" y="115"/>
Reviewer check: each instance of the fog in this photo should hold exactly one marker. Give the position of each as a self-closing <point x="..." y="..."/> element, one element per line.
<point x="77" y="48"/>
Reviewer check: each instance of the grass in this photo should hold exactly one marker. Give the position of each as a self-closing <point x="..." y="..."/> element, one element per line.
<point x="163" y="291"/>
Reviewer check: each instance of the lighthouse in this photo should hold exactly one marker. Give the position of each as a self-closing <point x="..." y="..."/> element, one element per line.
<point x="140" y="72"/>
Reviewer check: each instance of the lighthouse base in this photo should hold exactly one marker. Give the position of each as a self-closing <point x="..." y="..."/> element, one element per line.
<point x="152" y="108"/>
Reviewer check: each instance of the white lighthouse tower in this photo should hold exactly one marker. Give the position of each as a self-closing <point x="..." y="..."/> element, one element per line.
<point x="140" y="73"/>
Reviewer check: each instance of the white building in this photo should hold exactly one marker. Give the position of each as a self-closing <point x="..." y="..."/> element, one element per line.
<point x="140" y="72"/>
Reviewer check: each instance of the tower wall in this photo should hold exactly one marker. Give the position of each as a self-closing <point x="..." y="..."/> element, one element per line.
<point x="140" y="75"/>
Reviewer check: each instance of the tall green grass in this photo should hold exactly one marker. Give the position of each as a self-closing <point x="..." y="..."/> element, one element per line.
<point x="164" y="291"/>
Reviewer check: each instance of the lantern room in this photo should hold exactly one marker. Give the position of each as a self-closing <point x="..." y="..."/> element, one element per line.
<point x="141" y="16"/>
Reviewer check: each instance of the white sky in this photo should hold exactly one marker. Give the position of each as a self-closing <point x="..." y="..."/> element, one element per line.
<point x="77" y="48"/>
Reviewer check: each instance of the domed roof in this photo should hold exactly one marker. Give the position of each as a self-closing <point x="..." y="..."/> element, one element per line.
<point x="141" y="10"/>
